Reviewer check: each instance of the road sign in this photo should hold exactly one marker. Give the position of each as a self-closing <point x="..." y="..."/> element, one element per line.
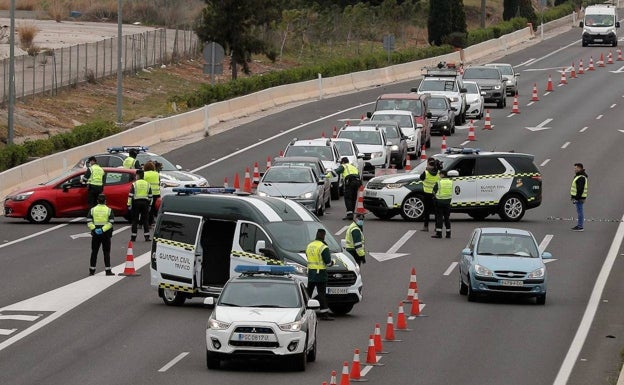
<point x="388" y="42"/>
<point x="213" y="55"/>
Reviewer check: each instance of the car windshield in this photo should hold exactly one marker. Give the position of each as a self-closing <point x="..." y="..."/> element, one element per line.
<point x="260" y="293"/>
<point x="362" y="137"/>
<point x="321" y="152"/>
<point x="287" y="175"/>
<point x="471" y="88"/>
<point x="295" y="236"/>
<point x="313" y="165"/>
<point x="344" y="148"/>
<point x="166" y="165"/>
<point x="403" y="120"/>
<point x="438" y="85"/>
<point x="390" y="131"/>
<point x="505" y="70"/>
<point x="415" y="106"/>
<point x="507" y="245"/>
<point x="481" y="73"/>
<point x="599" y="20"/>
<point x="438" y="104"/>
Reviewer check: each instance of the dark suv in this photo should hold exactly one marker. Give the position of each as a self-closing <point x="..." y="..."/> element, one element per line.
<point x="491" y="82"/>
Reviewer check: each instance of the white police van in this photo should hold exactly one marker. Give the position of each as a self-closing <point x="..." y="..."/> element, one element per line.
<point x="201" y="235"/>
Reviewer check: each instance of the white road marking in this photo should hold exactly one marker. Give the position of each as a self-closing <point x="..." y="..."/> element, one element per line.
<point x="547" y="93"/>
<point x="592" y="307"/>
<point x="613" y="105"/>
<point x="6" y="332"/>
<point x="19" y="317"/>
<point x="554" y="52"/>
<point x="530" y="103"/>
<point x="450" y="268"/>
<point x="540" y="126"/>
<point x="544" y="163"/>
<point x="367" y="368"/>
<point x="39" y="233"/>
<point x="88" y="233"/>
<point x="420" y="307"/>
<point x="599" y="117"/>
<point x="526" y="62"/>
<point x="510" y="115"/>
<point x="544" y="244"/>
<point x="583" y="129"/>
<point x="566" y="144"/>
<point x="465" y="142"/>
<point x="342" y="230"/>
<point x="173" y="362"/>
<point x="392" y="251"/>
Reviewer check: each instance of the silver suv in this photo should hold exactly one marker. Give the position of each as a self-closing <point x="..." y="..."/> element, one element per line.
<point x="510" y="75"/>
<point x="491" y="82"/>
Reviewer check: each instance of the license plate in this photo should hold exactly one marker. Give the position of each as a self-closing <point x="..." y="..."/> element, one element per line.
<point x="337" y="290"/>
<point x="511" y="283"/>
<point x="254" y="337"/>
<point x="598" y="40"/>
<point x="369" y="193"/>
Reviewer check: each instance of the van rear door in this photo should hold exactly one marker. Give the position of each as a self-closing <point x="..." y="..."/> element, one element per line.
<point x="177" y="250"/>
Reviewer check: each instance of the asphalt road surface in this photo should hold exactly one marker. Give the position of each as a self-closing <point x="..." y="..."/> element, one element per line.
<point x="60" y="327"/>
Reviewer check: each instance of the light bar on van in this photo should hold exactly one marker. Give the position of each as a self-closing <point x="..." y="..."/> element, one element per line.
<point x="266" y="269"/>
<point x="462" y="150"/>
<point x="204" y="190"/>
<point x="127" y="148"/>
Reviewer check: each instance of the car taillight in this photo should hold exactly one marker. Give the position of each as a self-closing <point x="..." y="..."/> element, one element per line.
<point x="537" y="177"/>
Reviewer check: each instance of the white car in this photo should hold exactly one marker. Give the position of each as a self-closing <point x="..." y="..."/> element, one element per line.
<point x="474" y="100"/>
<point x="348" y="149"/>
<point x="408" y="125"/>
<point x="264" y="312"/>
<point x="371" y="141"/>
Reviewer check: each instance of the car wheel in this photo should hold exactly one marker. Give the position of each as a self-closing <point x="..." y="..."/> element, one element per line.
<point x="472" y="296"/>
<point x="479" y="215"/>
<point x="512" y="208"/>
<point x="335" y="191"/>
<point x="499" y="104"/>
<point x="540" y="299"/>
<point x="504" y="102"/>
<point x="584" y="44"/>
<point x="300" y="360"/>
<point x="614" y="44"/>
<point x="341" y="308"/>
<point x="212" y="362"/>
<point x="320" y="209"/>
<point x="40" y="212"/>
<point x="400" y="164"/>
<point x="458" y="120"/>
<point x="463" y="288"/>
<point x="172" y="297"/>
<point x="385" y="215"/>
<point x="412" y="208"/>
<point x="311" y="356"/>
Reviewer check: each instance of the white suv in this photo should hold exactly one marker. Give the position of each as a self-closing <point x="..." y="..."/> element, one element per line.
<point x="450" y="86"/>
<point x="408" y="125"/>
<point x="371" y="141"/>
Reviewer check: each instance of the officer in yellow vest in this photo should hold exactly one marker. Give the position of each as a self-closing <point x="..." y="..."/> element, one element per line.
<point x="578" y="194"/>
<point x="443" y="192"/>
<point x="130" y="161"/>
<point x="319" y="258"/>
<point x="355" y="239"/>
<point x="139" y="202"/>
<point x="153" y="177"/>
<point x="352" y="182"/>
<point x="94" y="178"/>
<point x="429" y="178"/>
<point x="100" y="222"/>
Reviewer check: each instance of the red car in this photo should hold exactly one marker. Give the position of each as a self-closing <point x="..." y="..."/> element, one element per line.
<point x="65" y="196"/>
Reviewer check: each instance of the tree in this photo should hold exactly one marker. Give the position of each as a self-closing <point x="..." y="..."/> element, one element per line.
<point x="438" y="25"/>
<point x="510" y="9"/>
<point x="235" y="25"/>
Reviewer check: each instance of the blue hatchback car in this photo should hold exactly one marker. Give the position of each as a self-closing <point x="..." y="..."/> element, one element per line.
<point x="503" y="261"/>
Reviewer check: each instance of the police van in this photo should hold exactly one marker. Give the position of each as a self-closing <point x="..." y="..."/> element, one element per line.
<point x="201" y="235"/>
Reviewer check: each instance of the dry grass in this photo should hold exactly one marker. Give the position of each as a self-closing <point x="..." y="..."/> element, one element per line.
<point x="27" y="32"/>
<point x="20" y="5"/>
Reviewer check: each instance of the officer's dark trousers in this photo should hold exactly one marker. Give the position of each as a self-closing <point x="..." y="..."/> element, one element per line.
<point x="443" y="214"/>
<point x="350" y="196"/>
<point x="140" y="214"/>
<point x="105" y="241"/>
<point x="92" y="194"/>
<point x="428" y="209"/>
<point x="153" y="212"/>
<point x="321" y="288"/>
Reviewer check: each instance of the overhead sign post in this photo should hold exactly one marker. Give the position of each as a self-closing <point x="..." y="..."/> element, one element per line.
<point x="388" y="45"/>
<point x="213" y="55"/>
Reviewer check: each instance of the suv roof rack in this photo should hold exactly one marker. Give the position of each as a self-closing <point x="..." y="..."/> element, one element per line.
<point x="126" y="148"/>
<point x="462" y="150"/>
<point x="203" y="190"/>
<point x="265" y="269"/>
<point x="441" y="70"/>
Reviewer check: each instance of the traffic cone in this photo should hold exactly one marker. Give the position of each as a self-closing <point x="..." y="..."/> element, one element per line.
<point x="443" y="146"/>
<point x="401" y="320"/>
<point x="344" y="377"/>
<point x="471" y="131"/>
<point x="573" y="72"/>
<point x="408" y="164"/>
<point x="610" y="58"/>
<point x="247" y="182"/>
<point x="549" y="85"/>
<point x="423" y="153"/>
<point x="411" y="287"/>
<point x="563" y="77"/>
<point x="323" y="134"/>
<point x="487" y="125"/>
<point x="515" y="109"/>
<point x="225" y="183"/>
<point x="377" y="339"/>
<point x="335" y="132"/>
<point x="256" y="174"/>
<point x="359" y="205"/>
<point x="281" y="153"/>
<point x="390" y="337"/>
<point x="581" y="70"/>
<point x="236" y="183"/>
<point x="332" y="378"/>
<point x="129" y="269"/>
<point x="619" y="52"/>
<point x="601" y="61"/>
<point x="415" y="310"/>
<point x="591" y="64"/>
<point x="268" y="164"/>
<point x="356" y="375"/>
<point x="371" y="355"/>
<point x="534" y="97"/>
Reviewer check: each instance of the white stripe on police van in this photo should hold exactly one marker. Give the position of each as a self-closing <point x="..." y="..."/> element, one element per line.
<point x="265" y="209"/>
<point x="302" y="211"/>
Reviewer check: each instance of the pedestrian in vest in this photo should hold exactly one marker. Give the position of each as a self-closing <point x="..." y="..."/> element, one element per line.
<point x="319" y="258"/>
<point x="352" y="183"/>
<point x="429" y="178"/>
<point x="443" y="192"/>
<point x="153" y="177"/>
<point x="578" y="194"/>
<point x="100" y="222"/>
<point x="94" y="178"/>
<point x="130" y="161"/>
<point x="139" y="202"/>
<point x="355" y="239"/>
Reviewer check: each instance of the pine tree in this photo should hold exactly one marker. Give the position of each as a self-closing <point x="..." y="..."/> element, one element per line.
<point x="438" y="25"/>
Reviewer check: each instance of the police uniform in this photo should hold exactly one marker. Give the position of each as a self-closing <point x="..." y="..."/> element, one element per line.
<point x="429" y="179"/>
<point x="100" y="222"/>
<point x="94" y="177"/>
<point x="129" y="162"/>
<point x="355" y="242"/>
<point x="139" y="203"/>
<point x="352" y="183"/>
<point x="319" y="257"/>
<point x="578" y="195"/>
<point x="153" y="177"/>
<point x="443" y="192"/>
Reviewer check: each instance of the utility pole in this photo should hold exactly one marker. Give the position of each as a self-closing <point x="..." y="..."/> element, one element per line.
<point x="11" y="109"/>
<point x="482" y="14"/>
<point x="119" y="64"/>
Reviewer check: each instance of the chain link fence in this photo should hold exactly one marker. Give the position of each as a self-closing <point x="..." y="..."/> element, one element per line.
<point x="48" y="71"/>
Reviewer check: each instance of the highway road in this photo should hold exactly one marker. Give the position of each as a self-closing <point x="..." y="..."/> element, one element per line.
<point x="58" y="326"/>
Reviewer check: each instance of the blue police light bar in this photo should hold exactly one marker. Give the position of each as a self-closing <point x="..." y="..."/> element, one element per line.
<point x="127" y="148"/>
<point x="462" y="150"/>
<point x="269" y="269"/>
<point x="204" y="190"/>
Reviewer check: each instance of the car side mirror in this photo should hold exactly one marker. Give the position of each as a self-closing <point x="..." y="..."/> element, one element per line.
<point x="369" y="114"/>
<point x="66" y="186"/>
<point x="516" y="75"/>
<point x="581" y="24"/>
<point x="466" y="251"/>
<point x="389" y="143"/>
<point x="267" y="252"/>
<point x="463" y="90"/>
<point x="617" y="24"/>
<point x="321" y="182"/>
<point x="259" y="246"/>
<point x="360" y="155"/>
<point x="209" y="301"/>
<point x="452" y="173"/>
<point x="453" y="109"/>
<point x="179" y="167"/>
<point x="546" y="255"/>
<point x="429" y="115"/>
<point x="314" y="304"/>
<point x="413" y="89"/>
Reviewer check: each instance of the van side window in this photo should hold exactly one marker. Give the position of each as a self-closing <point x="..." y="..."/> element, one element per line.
<point x="250" y="234"/>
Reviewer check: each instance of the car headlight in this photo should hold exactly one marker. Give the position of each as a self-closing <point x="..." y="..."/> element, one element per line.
<point x="203" y="183"/>
<point x="483" y="271"/>
<point x="539" y="273"/>
<point x="217" y="325"/>
<point x="394" y="147"/>
<point x="307" y="195"/>
<point x="509" y="82"/>
<point x="443" y="119"/>
<point x="394" y="185"/>
<point x="454" y="99"/>
<point x="376" y="155"/>
<point x="291" y="326"/>
<point x="412" y="137"/>
<point x="22" y="196"/>
<point x="498" y="87"/>
<point x="299" y="269"/>
<point x="168" y="183"/>
<point x="262" y="194"/>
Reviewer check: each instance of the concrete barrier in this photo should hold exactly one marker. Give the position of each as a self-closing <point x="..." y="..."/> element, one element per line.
<point x="337" y="84"/>
<point x="367" y="79"/>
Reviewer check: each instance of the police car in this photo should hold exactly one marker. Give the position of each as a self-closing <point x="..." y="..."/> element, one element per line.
<point x="265" y="312"/>
<point x="503" y="183"/>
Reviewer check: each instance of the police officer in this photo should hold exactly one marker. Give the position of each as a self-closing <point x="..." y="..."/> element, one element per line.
<point x="139" y="203"/>
<point x="130" y="161"/>
<point x="94" y="178"/>
<point x="319" y="258"/>
<point x="100" y="222"/>
<point x="352" y="183"/>
<point x="153" y="177"/>
<point x="429" y="178"/>
<point x="578" y="194"/>
<point x="355" y="239"/>
<point x="443" y="192"/>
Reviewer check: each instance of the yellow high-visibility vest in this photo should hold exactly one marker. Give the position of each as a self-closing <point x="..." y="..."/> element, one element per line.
<point x="314" y="253"/>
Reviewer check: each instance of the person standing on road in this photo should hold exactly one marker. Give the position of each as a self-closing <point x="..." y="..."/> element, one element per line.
<point x="100" y="222"/>
<point x="153" y="177"/>
<point x="139" y="202"/>
<point x="355" y="239"/>
<point x="443" y="192"/>
<point x="130" y="161"/>
<point x="94" y="178"/>
<point x="429" y="178"/>
<point x="352" y="183"/>
<point x="319" y="258"/>
<point x="578" y="194"/>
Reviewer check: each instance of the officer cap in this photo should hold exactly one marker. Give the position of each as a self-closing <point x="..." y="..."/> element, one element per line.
<point x="344" y="160"/>
<point x="431" y="160"/>
<point x="92" y="159"/>
<point x="133" y="152"/>
<point x="101" y="198"/>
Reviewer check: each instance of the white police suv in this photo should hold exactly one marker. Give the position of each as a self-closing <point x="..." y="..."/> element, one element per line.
<point x="265" y="313"/>
<point x="503" y="183"/>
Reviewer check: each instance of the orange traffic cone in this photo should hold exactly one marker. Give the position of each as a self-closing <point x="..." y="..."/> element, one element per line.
<point x="610" y="58"/>
<point x="129" y="269"/>
<point x="549" y="85"/>
<point x="534" y="97"/>
<point x="332" y="378"/>
<point x="371" y="355"/>
<point x="268" y="163"/>
<point x="256" y="174"/>
<point x="601" y="61"/>
<point x="225" y="183"/>
<point x="344" y="377"/>
<point x="377" y="339"/>
<point x="581" y="70"/>
<point x="359" y="205"/>
<point x="335" y="132"/>
<point x="591" y="64"/>
<point x="487" y="125"/>
<point x="401" y="320"/>
<point x="573" y="72"/>
<point x="408" y="164"/>
<point x="423" y="153"/>
<point x="247" y="182"/>
<point x="281" y="153"/>
<point x="515" y="109"/>
<point x="411" y="287"/>
<point x="563" y="77"/>
<point x="356" y="375"/>
<point x="443" y="146"/>
<point x="390" y="337"/>
<point x="236" y="183"/>
<point x="323" y="134"/>
<point x="471" y="132"/>
<point x="415" y="311"/>
<point x="619" y="52"/>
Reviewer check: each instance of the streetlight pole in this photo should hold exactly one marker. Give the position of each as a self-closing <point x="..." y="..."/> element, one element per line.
<point x="119" y="64"/>
<point x="11" y="108"/>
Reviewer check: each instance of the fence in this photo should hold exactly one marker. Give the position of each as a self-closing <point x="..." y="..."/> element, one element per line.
<point x="50" y="70"/>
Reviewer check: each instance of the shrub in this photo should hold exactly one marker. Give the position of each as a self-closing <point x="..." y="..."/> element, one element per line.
<point x="27" y="33"/>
